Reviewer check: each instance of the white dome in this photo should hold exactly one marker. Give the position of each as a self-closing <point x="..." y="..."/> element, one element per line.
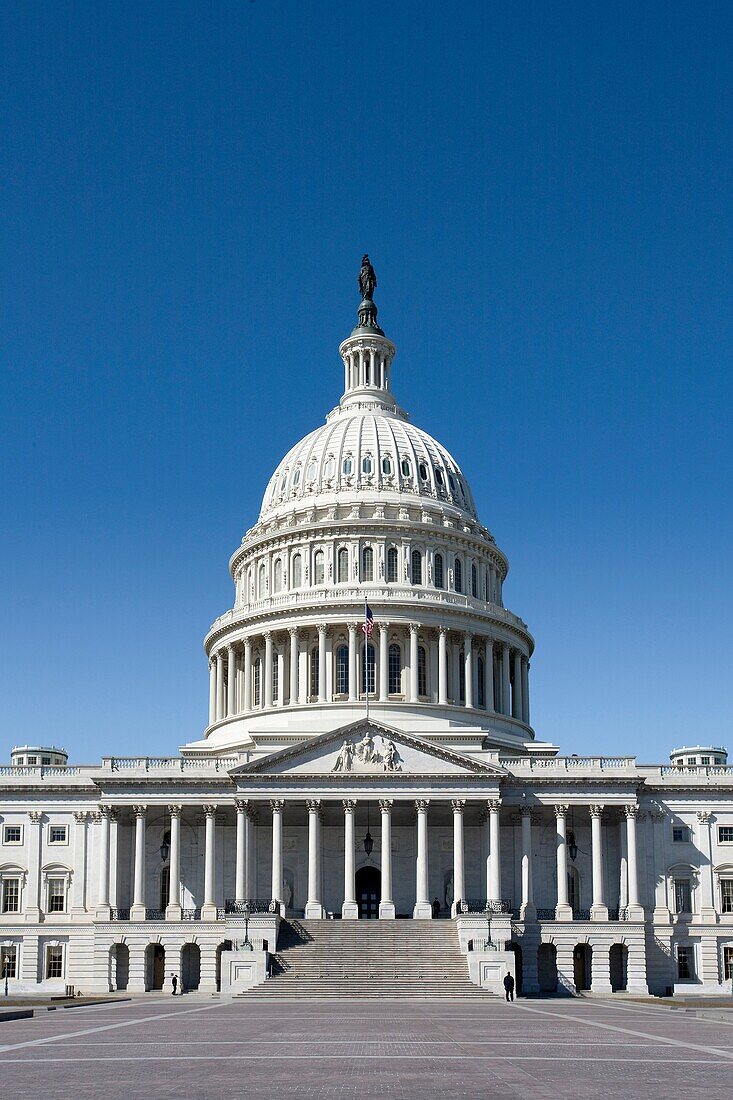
<point x="372" y="449"/>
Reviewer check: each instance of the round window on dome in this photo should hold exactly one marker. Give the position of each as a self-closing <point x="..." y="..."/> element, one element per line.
<point x="387" y="466"/>
<point x="347" y="467"/>
<point x="367" y="466"/>
<point x="423" y="471"/>
<point x="405" y="467"/>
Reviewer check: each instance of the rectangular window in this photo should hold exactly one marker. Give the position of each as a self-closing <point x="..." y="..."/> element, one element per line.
<point x="11" y="895"/>
<point x="680" y="834"/>
<point x="9" y="961"/>
<point x="12" y="834"/>
<point x="368" y="670"/>
<point x="728" y="962"/>
<point x="54" y="962"/>
<point x="395" y="669"/>
<point x="704" y="759"/>
<point x="725" y="834"/>
<point x="32" y="759"/>
<point x="726" y="895"/>
<point x="45" y="760"/>
<point x="57" y="834"/>
<point x="685" y="963"/>
<point x="682" y="896"/>
<point x="56" y="895"/>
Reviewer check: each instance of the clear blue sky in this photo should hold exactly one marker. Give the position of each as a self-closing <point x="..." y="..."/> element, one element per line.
<point x="186" y="192"/>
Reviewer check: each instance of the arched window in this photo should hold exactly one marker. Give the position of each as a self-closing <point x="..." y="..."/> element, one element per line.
<point x="368" y="678"/>
<point x="318" y="567"/>
<point x="416" y="567"/>
<point x="405" y="467"/>
<point x="330" y="468"/>
<point x="342" y="670"/>
<point x="297" y="572"/>
<point x="261" y="582"/>
<point x="422" y="671"/>
<point x="458" y="575"/>
<point x="423" y="470"/>
<point x="481" y="693"/>
<point x="439" y="477"/>
<point x="256" y="669"/>
<point x="394" y="668"/>
<point x="438" y="571"/>
<point x="347" y="466"/>
<point x="275" y="677"/>
<point x="387" y="466"/>
<point x="392" y="565"/>
<point x="296" y="476"/>
<point x="474" y="581"/>
<point x="342" y="561"/>
<point x="367" y="466"/>
<point x="462" y="677"/>
<point x="314" y="672"/>
<point x="310" y="473"/>
<point x="367" y="371"/>
<point x="367" y="564"/>
<point x="277" y="575"/>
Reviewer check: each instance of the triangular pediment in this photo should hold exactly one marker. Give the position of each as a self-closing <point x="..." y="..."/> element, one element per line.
<point x="366" y="748"/>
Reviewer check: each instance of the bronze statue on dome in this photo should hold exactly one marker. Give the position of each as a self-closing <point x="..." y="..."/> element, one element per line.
<point x="367" y="279"/>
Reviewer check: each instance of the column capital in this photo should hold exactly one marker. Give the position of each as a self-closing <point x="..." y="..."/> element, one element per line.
<point x="385" y="804"/>
<point x="352" y="629"/>
<point x="219" y="654"/>
<point x="36" y="816"/>
<point x="349" y="804"/>
<point x="140" y="811"/>
<point x="525" y="811"/>
<point x="322" y="628"/>
<point x="704" y="816"/>
<point x="561" y="809"/>
<point x="80" y="816"/>
<point x="175" y="810"/>
<point x="414" y="627"/>
<point x="210" y="810"/>
<point x="277" y="804"/>
<point x="494" y="805"/>
<point x="457" y="805"/>
<point x="248" y="643"/>
<point x="267" y="635"/>
<point x="443" y="631"/>
<point x="383" y="627"/>
<point x="231" y="646"/>
<point x="631" y="810"/>
<point x="658" y="816"/>
<point x="596" y="810"/>
<point x="293" y="631"/>
<point x="467" y="637"/>
<point x="421" y="804"/>
<point x="106" y="811"/>
<point x="314" y="805"/>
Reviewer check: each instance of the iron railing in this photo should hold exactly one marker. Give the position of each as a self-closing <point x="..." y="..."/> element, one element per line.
<point x="119" y="914"/>
<point x="191" y="914"/>
<point x="545" y="914"/>
<point x="480" y="907"/>
<point x="254" y="905"/>
<point x="155" y="914"/>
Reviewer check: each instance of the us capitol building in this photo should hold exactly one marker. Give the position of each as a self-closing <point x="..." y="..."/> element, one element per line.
<point x="369" y="757"/>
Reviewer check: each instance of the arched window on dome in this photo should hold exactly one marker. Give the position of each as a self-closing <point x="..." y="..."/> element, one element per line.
<point x="310" y="473"/>
<point x="367" y="564"/>
<point x="261" y="581"/>
<point x="461" y="677"/>
<point x="342" y="565"/>
<point x="481" y="686"/>
<point x="387" y="467"/>
<point x="368" y="670"/>
<point x="314" y="674"/>
<point x="423" y="471"/>
<point x="347" y="466"/>
<point x="394" y="669"/>
<point x="367" y="465"/>
<point x="416" y="567"/>
<point x="422" y="671"/>
<point x="277" y="574"/>
<point x="330" y="468"/>
<point x="438" y="571"/>
<point x="275" y="678"/>
<point x="458" y="575"/>
<point x="318" y="567"/>
<point x="474" y="581"/>
<point x="296" y="476"/>
<point x="256" y="681"/>
<point x="439" y="479"/>
<point x="405" y="467"/>
<point x="392" y="560"/>
<point x="342" y="670"/>
<point x="296" y="572"/>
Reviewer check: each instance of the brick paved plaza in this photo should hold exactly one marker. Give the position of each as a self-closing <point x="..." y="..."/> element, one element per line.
<point x="211" y="1048"/>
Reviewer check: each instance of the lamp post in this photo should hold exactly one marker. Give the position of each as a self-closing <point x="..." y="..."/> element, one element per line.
<point x="488" y="943"/>
<point x="6" y="968"/>
<point x="247" y="945"/>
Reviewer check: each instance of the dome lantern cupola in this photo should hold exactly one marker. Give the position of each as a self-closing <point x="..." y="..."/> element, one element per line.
<point x="367" y="354"/>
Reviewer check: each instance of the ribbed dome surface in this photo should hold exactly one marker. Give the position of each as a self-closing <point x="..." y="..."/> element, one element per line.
<point x="367" y="449"/>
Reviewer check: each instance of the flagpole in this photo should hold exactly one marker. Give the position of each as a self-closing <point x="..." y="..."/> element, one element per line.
<point x="366" y="655"/>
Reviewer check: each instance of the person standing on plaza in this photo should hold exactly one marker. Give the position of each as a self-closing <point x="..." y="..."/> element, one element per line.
<point x="509" y="986"/>
<point x="174" y="983"/>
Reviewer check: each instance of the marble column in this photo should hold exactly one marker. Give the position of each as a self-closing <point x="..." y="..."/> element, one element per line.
<point x="527" y="910"/>
<point x="707" y="884"/>
<point x="383" y="661"/>
<point x="423" y="909"/>
<point x="314" y="906"/>
<point x="517" y="689"/>
<point x="220" y="685"/>
<point x="349" y="909"/>
<point x="442" y="665"/>
<point x="231" y="681"/>
<point x="505" y="680"/>
<point x="293" y="686"/>
<point x="525" y="690"/>
<point x="459" y="878"/>
<point x="322" y="664"/>
<point x="563" y="910"/>
<point x="276" y="805"/>
<point x="212" y="691"/>
<point x="353" y="696"/>
<point x="468" y="668"/>
<point x="414" y="628"/>
<point x="173" y="909"/>
<point x="599" y="910"/>
<point x="489" y="674"/>
<point x="494" y="808"/>
<point x="635" y="910"/>
<point x="247" y="704"/>
<point x="137" y="911"/>
<point x="105" y="819"/>
<point x="279" y="700"/>
<point x="208" y="909"/>
<point x="79" y="882"/>
<point x="240" y="865"/>
<point x="267" y="671"/>
<point x="250" y="843"/>
<point x="386" y="904"/>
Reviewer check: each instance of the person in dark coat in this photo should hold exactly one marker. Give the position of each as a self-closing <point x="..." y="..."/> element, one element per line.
<point x="509" y="986"/>
<point x="174" y="983"/>
<point x="436" y="908"/>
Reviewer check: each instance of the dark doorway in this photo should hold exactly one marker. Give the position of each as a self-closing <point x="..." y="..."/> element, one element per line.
<point x="120" y="965"/>
<point x="368" y="892"/>
<point x="190" y="967"/>
<point x="547" y="967"/>
<point x="582" y="963"/>
<point x="155" y="965"/>
<point x="618" y="960"/>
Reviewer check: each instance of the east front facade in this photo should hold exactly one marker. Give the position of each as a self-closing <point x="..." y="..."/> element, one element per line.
<point x="369" y="757"/>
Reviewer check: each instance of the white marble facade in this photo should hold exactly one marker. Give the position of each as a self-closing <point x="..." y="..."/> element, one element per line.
<point x="600" y="872"/>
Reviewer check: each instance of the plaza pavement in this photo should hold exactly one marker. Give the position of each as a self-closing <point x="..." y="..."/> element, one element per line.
<point x="156" y="1047"/>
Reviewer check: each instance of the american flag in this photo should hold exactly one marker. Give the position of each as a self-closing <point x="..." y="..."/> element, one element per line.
<point x="368" y="625"/>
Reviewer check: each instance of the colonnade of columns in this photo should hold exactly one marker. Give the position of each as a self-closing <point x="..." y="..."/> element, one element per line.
<point x="273" y="670"/>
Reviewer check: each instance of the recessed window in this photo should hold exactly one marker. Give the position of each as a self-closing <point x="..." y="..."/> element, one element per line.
<point x="57" y="834"/>
<point x="368" y="670"/>
<point x="682" y="895"/>
<point x="347" y="466"/>
<point x="692" y="761"/>
<point x="438" y="571"/>
<point x="726" y="895"/>
<point x="283" y="482"/>
<point x="330" y="467"/>
<point x="12" y="834"/>
<point x="439" y="479"/>
<point x="342" y="565"/>
<point x="704" y="759"/>
<point x="45" y="760"/>
<point x="458" y="575"/>
<point x="367" y="466"/>
<point x="422" y="671"/>
<point x="10" y="902"/>
<point x="56" y="895"/>
<point x="54" y="962"/>
<point x="423" y="471"/>
<point x="725" y="834"/>
<point x="680" y="834"/>
<point x="727" y="962"/>
<point x="405" y="467"/>
<point x="392" y="565"/>
<point x="319" y="567"/>
<point x="416" y="567"/>
<point x="342" y="670"/>
<point x="32" y="760"/>
<point x="387" y="466"/>
<point x="685" y="963"/>
<point x="310" y="473"/>
<point x="719" y="760"/>
<point x="9" y="960"/>
<point x="296" y="476"/>
<point x="367" y="564"/>
<point x="474" y="582"/>
<point x="452" y="481"/>
<point x="394" y="669"/>
<point x="277" y="572"/>
<point x="296" y="573"/>
<point x="256" y="681"/>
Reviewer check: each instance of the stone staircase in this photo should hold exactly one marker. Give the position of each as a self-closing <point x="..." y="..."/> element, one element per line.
<point x="322" y="958"/>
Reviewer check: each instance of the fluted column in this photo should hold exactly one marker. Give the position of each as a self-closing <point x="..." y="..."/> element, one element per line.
<point x="293" y="691"/>
<point x="208" y="909"/>
<point x="277" y="852"/>
<point x="442" y="665"/>
<point x="80" y="877"/>
<point x="635" y="910"/>
<point x="489" y="674"/>
<point x="247" y="675"/>
<point x="386" y="904"/>
<point x="505" y="680"/>
<point x="517" y="690"/>
<point x="525" y="690"/>
<point x="267" y="671"/>
<point x="562" y="909"/>
<point x="707" y="880"/>
<point x="423" y="909"/>
<point x="231" y="681"/>
<point x="599" y="910"/>
<point x="352" y="663"/>
<point x="314" y="907"/>
<point x="250" y="845"/>
<point x="137" y="911"/>
<point x="240" y="866"/>
<point x="383" y="662"/>
<point x="220" y="685"/>
<point x="349" y="909"/>
<point x="494" y="807"/>
<point x="212" y="691"/>
<point x="322" y="665"/>
<point x="527" y="911"/>
<point x="105" y="819"/>
<point x="173" y="909"/>
<point x="459" y="878"/>
<point x="468" y="667"/>
<point x="414" y="628"/>
<point x="32" y="896"/>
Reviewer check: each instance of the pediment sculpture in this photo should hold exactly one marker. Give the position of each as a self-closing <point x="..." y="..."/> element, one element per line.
<point x="367" y="755"/>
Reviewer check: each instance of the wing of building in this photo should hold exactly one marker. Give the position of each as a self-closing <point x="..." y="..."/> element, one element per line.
<point x="369" y="756"/>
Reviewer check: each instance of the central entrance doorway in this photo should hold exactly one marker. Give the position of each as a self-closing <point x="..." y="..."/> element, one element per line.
<point x="368" y="892"/>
